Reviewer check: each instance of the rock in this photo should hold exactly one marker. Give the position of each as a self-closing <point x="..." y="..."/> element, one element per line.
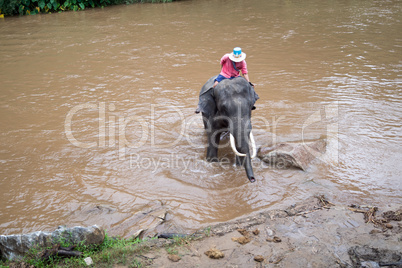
<point x="243" y="232"/>
<point x="393" y="215"/>
<point x="14" y="247"/>
<point x="371" y="256"/>
<point x="274" y="239"/>
<point x="256" y="232"/>
<point x="138" y="233"/>
<point x="259" y="258"/>
<point x="174" y="257"/>
<point x="214" y="253"/>
<point x="375" y="231"/>
<point x="269" y="231"/>
<point x="88" y="261"/>
<point x="241" y="240"/>
<point x="298" y="155"/>
<point x="370" y="264"/>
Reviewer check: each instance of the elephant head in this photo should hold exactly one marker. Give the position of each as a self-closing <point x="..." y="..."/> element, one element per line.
<point x="227" y="107"/>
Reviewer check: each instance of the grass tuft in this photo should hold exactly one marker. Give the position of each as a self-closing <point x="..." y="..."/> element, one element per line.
<point x="113" y="250"/>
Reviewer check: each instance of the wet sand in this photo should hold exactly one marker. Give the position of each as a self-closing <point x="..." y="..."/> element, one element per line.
<point x="315" y="233"/>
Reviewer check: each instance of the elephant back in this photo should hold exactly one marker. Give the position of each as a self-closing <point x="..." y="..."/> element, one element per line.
<point x="208" y="85"/>
<point x="206" y="102"/>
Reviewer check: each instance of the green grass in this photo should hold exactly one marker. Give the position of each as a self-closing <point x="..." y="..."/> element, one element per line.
<point x="207" y="231"/>
<point x="111" y="251"/>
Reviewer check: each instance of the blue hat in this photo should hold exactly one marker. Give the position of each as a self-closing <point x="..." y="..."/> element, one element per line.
<point x="237" y="55"/>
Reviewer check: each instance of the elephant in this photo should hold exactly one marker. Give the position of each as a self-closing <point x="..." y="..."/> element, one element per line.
<point x="227" y="107"/>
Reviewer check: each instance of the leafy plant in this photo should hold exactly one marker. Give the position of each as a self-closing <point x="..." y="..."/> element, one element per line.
<point x="207" y="231"/>
<point x="32" y="7"/>
<point x="136" y="264"/>
<point x="112" y="250"/>
<point x="9" y="7"/>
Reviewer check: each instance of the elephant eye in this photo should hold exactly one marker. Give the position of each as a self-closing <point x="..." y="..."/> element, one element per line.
<point x="224" y="107"/>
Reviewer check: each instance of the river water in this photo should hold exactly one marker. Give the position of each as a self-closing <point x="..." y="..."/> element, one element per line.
<point x="97" y="109"/>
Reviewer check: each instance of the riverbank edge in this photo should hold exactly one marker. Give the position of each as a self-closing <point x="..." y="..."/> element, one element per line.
<point x="152" y="252"/>
<point x="53" y="6"/>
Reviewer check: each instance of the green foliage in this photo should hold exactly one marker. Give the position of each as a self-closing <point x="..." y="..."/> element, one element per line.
<point x="9" y="7"/>
<point x="207" y="231"/>
<point x="32" y="7"/>
<point x="136" y="264"/>
<point x="112" y="250"/>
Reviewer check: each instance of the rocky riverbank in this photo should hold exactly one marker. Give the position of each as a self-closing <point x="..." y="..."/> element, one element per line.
<point x="314" y="233"/>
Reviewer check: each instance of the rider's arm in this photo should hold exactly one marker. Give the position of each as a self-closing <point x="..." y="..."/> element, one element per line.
<point x="246" y="76"/>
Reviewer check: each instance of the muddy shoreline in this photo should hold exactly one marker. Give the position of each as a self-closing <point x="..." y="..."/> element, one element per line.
<point x="314" y="233"/>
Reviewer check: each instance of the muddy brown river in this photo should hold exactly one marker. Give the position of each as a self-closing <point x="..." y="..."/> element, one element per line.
<point x="97" y="109"/>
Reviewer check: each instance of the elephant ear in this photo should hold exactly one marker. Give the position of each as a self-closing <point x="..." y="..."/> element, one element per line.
<point x="206" y="103"/>
<point x="254" y="96"/>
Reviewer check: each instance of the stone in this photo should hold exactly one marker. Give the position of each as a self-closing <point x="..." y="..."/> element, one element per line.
<point x="372" y="256"/>
<point x="296" y="155"/>
<point x="393" y="215"/>
<point x="259" y="258"/>
<point x="243" y="232"/>
<point x="14" y="247"/>
<point x="214" y="253"/>
<point x="274" y="239"/>
<point x="269" y="231"/>
<point x="88" y="261"/>
<point x="174" y="257"/>
<point x="241" y="240"/>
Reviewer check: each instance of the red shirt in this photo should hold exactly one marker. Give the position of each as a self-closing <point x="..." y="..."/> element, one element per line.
<point x="229" y="71"/>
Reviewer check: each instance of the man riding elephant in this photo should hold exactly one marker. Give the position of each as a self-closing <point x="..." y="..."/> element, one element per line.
<point x="231" y="66"/>
<point x="226" y="104"/>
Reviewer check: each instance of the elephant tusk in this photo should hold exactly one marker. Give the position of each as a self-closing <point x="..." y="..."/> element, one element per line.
<point x="232" y="144"/>
<point x="253" y="148"/>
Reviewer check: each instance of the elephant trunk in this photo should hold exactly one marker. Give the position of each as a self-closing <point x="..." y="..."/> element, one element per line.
<point x="249" y="169"/>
